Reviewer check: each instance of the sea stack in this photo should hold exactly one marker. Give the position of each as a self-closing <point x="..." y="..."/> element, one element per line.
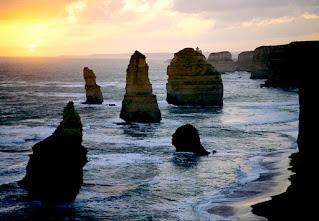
<point x="245" y="61"/>
<point x="222" y="61"/>
<point x="186" y="139"/>
<point x="139" y="104"/>
<point x="55" y="169"/>
<point x="93" y="91"/>
<point x="193" y="81"/>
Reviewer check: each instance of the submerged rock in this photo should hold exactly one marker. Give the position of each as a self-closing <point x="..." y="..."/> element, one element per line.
<point x="139" y="104"/>
<point x="222" y="61"/>
<point x="186" y="139"/>
<point x="192" y="81"/>
<point x="55" y="168"/>
<point x="93" y="91"/>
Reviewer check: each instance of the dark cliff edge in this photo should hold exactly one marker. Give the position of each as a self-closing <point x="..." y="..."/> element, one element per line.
<point x="298" y="62"/>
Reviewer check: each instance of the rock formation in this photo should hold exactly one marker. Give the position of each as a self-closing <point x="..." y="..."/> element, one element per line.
<point x="139" y="104"/>
<point x="277" y="63"/>
<point x="299" y="63"/>
<point x="192" y="81"/>
<point x="55" y="168"/>
<point x="245" y="61"/>
<point x="186" y="139"/>
<point x="260" y="59"/>
<point x="93" y="91"/>
<point x="222" y="61"/>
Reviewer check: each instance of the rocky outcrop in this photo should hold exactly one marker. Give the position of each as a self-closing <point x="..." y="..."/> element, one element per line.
<point x="245" y="61"/>
<point x="222" y="61"/>
<point x="192" y="81"/>
<point x="139" y="104"/>
<point x="93" y="91"/>
<point x="55" y="168"/>
<point x="186" y="139"/>
<point x="260" y="59"/>
<point x="300" y="61"/>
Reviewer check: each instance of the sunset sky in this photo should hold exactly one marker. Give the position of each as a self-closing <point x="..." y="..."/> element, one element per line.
<point x="81" y="27"/>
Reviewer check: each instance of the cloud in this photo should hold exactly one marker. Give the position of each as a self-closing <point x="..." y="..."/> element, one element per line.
<point x="310" y="16"/>
<point x="117" y="26"/>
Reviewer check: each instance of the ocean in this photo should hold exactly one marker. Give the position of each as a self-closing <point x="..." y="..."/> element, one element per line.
<point x="133" y="171"/>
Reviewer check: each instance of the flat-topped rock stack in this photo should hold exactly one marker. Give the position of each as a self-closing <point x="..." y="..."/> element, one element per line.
<point x="245" y="61"/>
<point x="222" y="61"/>
<point x="55" y="168"/>
<point x="93" y="91"/>
<point x="139" y="103"/>
<point x="193" y="81"/>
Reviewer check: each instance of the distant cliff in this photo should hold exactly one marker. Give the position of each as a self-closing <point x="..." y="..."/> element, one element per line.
<point x="222" y="61"/>
<point x="245" y="61"/>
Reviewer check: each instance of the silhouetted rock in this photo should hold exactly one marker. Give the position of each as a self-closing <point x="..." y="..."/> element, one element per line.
<point x="192" y="81"/>
<point x="55" y="168"/>
<point x="222" y="61"/>
<point x="283" y="59"/>
<point x="299" y="201"/>
<point x="245" y="61"/>
<point x="93" y="91"/>
<point x="260" y="59"/>
<point x="186" y="139"/>
<point x="139" y="104"/>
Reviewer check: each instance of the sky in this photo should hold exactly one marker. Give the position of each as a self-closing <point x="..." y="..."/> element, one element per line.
<point x="83" y="27"/>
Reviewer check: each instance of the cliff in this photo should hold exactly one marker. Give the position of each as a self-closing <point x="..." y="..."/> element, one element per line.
<point x="192" y="81"/>
<point x="93" y="91"/>
<point x="55" y="168"/>
<point x="222" y="61"/>
<point x="260" y="59"/>
<point x="299" y="201"/>
<point x="139" y="104"/>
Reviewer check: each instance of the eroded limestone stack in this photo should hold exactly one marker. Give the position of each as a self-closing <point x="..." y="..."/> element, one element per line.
<point x="139" y="104"/>
<point x="222" y="61"/>
<point x="245" y="61"/>
<point x="93" y="91"/>
<point x="192" y="81"/>
<point x="186" y="139"/>
<point x="55" y="168"/>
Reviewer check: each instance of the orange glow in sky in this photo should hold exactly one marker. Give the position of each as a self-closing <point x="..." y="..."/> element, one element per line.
<point x="82" y="27"/>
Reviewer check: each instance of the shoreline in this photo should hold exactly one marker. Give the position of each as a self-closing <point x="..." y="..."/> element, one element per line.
<point x="273" y="180"/>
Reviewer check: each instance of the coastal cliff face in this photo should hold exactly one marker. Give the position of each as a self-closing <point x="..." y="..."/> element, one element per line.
<point x="222" y="61"/>
<point x="93" y="91"/>
<point x="299" y="61"/>
<point x="259" y="63"/>
<point x="139" y="104"/>
<point x="278" y="63"/>
<point x="55" y="168"/>
<point x="192" y="81"/>
<point x="245" y="61"/>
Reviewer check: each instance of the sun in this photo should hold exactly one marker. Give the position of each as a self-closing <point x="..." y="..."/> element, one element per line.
<point x="32" y="47"/>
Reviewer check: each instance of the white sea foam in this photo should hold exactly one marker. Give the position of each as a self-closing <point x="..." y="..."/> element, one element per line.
<point x="122" y="159"/>
<point x="15" y="135"/>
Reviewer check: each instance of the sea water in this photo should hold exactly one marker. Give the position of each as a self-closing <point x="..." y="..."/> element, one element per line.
<point x="133" y="172"/>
